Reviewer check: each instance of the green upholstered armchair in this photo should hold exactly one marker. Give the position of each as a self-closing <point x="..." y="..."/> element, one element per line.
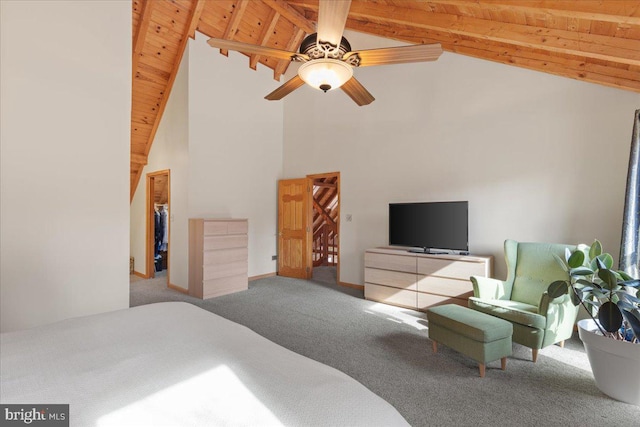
<point x="522" y="299"/>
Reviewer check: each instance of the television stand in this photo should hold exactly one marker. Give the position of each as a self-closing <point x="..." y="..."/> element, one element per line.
<point x="418" y="280"/>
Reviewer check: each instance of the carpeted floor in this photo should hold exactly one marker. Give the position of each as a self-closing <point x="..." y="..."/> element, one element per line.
<point x="387" y="349"/>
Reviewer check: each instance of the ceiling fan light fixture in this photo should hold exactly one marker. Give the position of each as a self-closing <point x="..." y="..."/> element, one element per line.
<point x="325" y="74"/>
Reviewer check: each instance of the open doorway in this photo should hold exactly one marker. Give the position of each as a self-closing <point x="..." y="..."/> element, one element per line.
<point x="325" y="218"/>
<point x="158" y="212"/>
<point x="309" y="226"/>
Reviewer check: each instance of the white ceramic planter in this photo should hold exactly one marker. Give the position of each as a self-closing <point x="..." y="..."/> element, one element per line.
<point x="615" y="364"/>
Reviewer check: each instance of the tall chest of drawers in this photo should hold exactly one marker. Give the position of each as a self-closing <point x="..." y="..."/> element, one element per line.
<point x="218" y="256"/>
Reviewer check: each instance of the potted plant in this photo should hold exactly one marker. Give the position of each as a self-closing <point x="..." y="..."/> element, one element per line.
<point x="612" y="335"/>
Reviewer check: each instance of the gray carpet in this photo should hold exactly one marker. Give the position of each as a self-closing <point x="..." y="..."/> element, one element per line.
<point x="386" y="348"/>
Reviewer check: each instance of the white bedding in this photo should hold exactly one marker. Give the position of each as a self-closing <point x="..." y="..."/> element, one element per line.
<point x="176" y="364"/>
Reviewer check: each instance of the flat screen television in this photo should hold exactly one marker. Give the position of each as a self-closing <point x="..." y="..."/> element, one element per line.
<point x="429" y="226"/>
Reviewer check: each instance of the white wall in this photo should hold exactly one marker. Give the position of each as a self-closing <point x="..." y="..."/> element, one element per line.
<point x="223" y="144"/>
<point x="538" y="157"/>
<point x="170" y="150"/>
<point x="235" y="146"/>
<point x="65" y="113"/>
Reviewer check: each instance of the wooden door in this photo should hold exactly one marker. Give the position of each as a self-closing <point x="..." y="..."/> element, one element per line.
<point x="294" y="228"/>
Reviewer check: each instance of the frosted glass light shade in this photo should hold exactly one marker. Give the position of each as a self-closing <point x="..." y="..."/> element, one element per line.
<point x="325" y="74"/>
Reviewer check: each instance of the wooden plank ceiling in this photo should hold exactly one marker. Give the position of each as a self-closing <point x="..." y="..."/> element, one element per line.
<point x="596" y="41"/>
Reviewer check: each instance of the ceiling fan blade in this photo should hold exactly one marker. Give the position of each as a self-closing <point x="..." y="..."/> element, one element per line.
<point x="397" y="55"/>
<point x="332" y="17"/>
<point x="357" y="92"/>
<point x="285" y="89"/>
<point x="258" y="50"/>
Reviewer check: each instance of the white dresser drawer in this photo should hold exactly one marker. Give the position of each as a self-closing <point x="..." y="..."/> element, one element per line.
<point x="224" y="270"/>
<point x="390" y="262"/>
<point x="215" y="228"/>
<point x="450" y="268"/>
<point x="223" y="286"/>
<point x="396" y="279"/>
<point x="389" y="295"/>
<point x="445" y="286"/>
<point x="217" y="257"/>
<point x="225" y="241"/>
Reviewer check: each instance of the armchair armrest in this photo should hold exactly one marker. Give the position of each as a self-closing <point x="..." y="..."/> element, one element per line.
<point x="561" y="316"/>
<point x="487" y="288"/>
<point x="549" y="305"/>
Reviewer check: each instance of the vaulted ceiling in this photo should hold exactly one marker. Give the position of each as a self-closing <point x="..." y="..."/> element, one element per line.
<point x="591" y="40"/>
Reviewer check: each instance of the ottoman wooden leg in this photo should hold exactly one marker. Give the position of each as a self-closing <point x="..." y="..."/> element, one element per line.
<point x="434" y="345"/>
<point x="503" y="363"/>
<point x="481" y="366"/>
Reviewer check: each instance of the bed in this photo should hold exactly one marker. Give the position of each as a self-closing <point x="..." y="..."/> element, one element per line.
<point x="175" y="364"/>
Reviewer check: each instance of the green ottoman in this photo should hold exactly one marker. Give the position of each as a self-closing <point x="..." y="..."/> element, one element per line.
<point x="480" y="336"/>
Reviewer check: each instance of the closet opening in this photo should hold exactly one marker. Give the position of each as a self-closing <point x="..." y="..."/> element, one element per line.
<point x="158" y="224"/>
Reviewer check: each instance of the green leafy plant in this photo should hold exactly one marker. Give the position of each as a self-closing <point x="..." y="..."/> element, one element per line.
<point x="606" y="294"/>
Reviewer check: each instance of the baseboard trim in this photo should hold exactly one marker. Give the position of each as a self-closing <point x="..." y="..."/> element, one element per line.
<point x="178" y="288"/>
<point x="262" y="276"/>
<point x="144" y="276"/>
<point x="351" y="285"/>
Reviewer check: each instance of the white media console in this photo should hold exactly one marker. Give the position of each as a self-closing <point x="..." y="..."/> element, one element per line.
<point x="419" y="281"/>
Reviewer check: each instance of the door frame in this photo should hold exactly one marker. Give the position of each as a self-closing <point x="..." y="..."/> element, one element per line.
<point x="149" y="214"/>
<point x="308" y="209"/>
<point x="313" y="177"/>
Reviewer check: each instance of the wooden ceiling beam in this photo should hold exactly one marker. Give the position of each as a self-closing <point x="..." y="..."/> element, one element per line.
<point x="139" y="159"/>
<point x="322" y="197"/>
<point x="292" y="15"/>
<point x="326" y="197"/>
<point x="563" y="65"/>
<point x="615" y="49"/>
<point x="234" y="23"/>
<point x="616" y="11"/>
<point x="292" y="46"/>
<point x="327" y="200"/>
<point x="264" y="37"/>
<point x="195" y="19"/>
<point x="323" y="213"/>
<point x="141" y="33"/>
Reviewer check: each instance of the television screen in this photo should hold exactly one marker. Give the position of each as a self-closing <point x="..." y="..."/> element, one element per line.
<point x="430" y="225"/>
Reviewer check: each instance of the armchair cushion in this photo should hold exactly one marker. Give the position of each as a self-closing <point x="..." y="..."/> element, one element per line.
<point x="513" y="311"/>
<point x="535" y="270"/>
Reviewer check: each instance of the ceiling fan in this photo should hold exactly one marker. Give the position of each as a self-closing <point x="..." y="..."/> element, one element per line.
<point x="327" y="58"/>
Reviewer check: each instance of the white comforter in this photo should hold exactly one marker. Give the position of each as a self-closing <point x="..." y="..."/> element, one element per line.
<point x="174" y="364"/>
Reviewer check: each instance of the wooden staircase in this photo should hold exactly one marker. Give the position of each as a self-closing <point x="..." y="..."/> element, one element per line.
<point x="325" y="250"/>
<point x="325" y="216"/>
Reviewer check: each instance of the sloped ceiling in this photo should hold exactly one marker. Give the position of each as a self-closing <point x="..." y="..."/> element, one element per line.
<point x="592" y="40"/>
